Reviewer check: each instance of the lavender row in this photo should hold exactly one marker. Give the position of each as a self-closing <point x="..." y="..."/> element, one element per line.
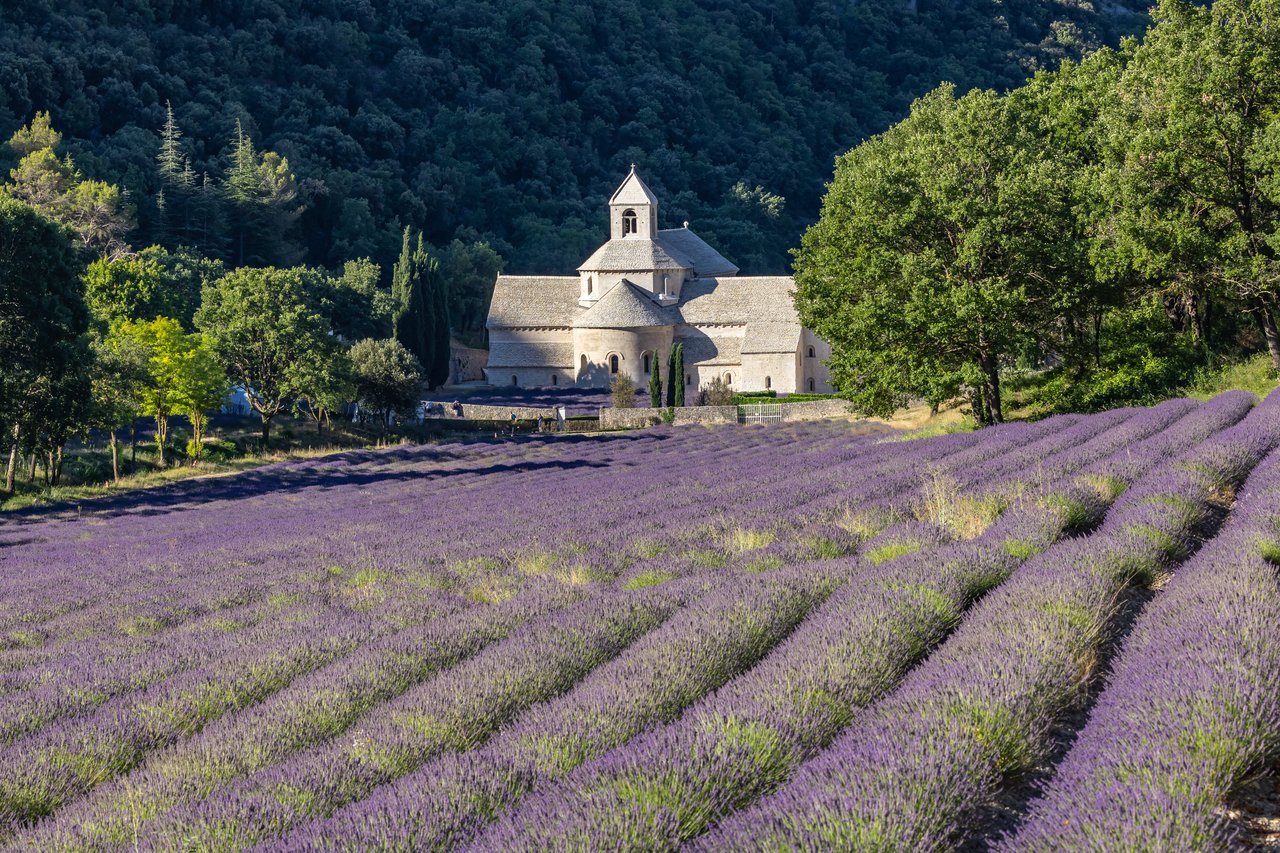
<point x="746" y="740"/>
<point x="373" y="824"/>
<point x="1190" y="710"/>
<point x="919" y="764"/>
<point x="542" y="658"/>
<point x="652" y="683"/>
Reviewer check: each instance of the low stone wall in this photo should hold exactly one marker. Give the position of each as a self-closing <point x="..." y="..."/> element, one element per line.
<point x="473" y="412"/>
<point x="636" y="418"/>
<point x="812" y="410"/>
<point x="809" y="410"/>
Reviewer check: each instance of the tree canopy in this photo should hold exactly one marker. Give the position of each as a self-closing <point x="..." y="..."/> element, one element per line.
<point x="503" y="122"/>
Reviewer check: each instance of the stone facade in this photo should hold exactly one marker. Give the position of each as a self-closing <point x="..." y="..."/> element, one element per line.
<point x="641" y="292"/>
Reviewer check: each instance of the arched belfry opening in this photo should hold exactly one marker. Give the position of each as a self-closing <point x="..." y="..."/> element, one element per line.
<point x="630" y="222"/>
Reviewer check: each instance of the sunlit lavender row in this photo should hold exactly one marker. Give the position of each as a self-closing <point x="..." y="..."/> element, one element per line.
<point x="817" y="636"/>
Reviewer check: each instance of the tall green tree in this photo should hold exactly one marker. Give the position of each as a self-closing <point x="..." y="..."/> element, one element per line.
<point x="440" y="334"/>
<point x="936" y="254"/>
<point x="118" y="375"/>
<point x="268" y="327"/>
<point x="677" y="375"/>
<point x="655" y="383"/>
<point x="178" y="184"/>
<point x="262" y="194"/>
<point x="1194" y="149"/>
<point x="43" y="320"/>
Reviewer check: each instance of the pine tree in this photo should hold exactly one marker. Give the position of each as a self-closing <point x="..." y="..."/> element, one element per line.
<point x="677" y="376"/>
<point x="243" y="189"/>
<point x="175" y="200"/>
<point x="655" y="383"/>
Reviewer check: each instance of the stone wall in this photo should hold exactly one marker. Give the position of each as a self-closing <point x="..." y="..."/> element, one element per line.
<point x="473" y="412"/>
<point x="636" y="418"/>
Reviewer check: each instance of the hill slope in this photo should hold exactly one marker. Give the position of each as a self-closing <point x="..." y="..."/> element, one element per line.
<point x="513" y="120"/>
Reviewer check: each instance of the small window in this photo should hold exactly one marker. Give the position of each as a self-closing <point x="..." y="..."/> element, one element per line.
<point x="810" y="386"/>
<point x="687" y="380"/>
<point x="630" y="223"/>
<point x="811" y="353"/>
<point x="590" y="285"/>
<point x="728" y="379"/>
<point x="515" y="380"/>
<point x="646" y="362"/>
<point x="768" y="382"/>
<point x="555" y="380"/>
<point x="613" y="364"/>
<point x="666" y="283"/>
<point x="583" y="362"/>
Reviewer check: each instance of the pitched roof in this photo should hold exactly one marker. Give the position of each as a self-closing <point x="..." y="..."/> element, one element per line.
<point x="738" y="300"/>
<point x="625" y="306"/>
<point x="633" y="191"/>
<point x="630" y="254"/>
<point x="526" y="301"/>
<point x="532" y="354"/>
<point x="767" y="336"/>
<point x="694" y="253"/>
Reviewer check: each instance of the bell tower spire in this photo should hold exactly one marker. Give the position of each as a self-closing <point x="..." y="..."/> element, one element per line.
<point x="633" y="210"/>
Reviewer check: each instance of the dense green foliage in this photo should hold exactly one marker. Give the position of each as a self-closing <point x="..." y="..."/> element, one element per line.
<point x="43" y="348"/>
<point x="504" y="121"/>
<point x="1110" y="226"/>
<point x="386" y="378"/>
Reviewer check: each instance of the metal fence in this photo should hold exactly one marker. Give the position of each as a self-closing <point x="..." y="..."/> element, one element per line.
<point x="760" y="413"/>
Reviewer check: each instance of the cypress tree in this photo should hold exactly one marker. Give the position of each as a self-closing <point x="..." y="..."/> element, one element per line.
<point x="671" y="377"/>
<point x="413" y="323"/>
<point x="655" y="383"/>
<point x="437" y="329"/>
<point x="677" y="378"/>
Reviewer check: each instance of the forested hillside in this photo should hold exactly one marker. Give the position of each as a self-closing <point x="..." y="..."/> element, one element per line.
<point x="511" y="121"/>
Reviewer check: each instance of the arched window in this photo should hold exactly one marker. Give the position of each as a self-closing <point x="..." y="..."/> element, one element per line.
<point x="645" y="359"/>
<point x="810" y="386"/>
<point x="583" y="362"/>
<point x="555" y="380"/>
<point x="768" y="382"/>
<point x="613" y="364"/>
<point x="728" y="379"/>
<point x="666" y="284"/>
<point x="810" y="352"/>
<point x="688" y="380"/>
<point x="630" y="223"/>
<point x="515" y="380"/>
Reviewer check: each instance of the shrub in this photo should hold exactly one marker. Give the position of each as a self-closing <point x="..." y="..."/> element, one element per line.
<point x="716" y="393"/>
<point x="623" y="391"/>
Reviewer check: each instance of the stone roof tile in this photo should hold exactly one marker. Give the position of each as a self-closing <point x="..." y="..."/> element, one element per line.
<point x="522" y="301"/>
<point x="738" y="300"/>
<point x="633" y="191"/>
<point x="768" y="336"/>
<point x="694" y="253"/>
<point x="626" y="306"/>
<point x="630" y="254"/>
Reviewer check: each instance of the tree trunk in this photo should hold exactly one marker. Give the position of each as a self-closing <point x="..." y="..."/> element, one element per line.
<point x="266" y="432"/>
<point x="55" y="466"/>
<point x="31" y="478"/>
<point x="133" y="450"/>
<point x="162" y="435"/>
<point x="197" y="435"/>
<point x="115" y="458"/>
<point x="991" y="387"/>
<point x="1267" y="317"/>
<point x="12" y="468"/>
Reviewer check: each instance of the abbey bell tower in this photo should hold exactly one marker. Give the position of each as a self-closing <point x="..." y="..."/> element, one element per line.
<point x="633" y="210"/>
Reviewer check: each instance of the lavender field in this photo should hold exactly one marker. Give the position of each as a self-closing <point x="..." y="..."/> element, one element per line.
<point x="1038" y="636"/>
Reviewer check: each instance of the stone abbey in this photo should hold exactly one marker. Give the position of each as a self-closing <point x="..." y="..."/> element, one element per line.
<point x="640" y="293"/>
